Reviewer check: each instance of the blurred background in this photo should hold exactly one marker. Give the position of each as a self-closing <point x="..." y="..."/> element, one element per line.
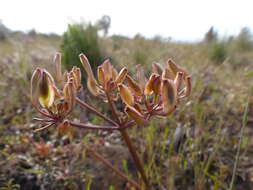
<point x="195" y="148"/>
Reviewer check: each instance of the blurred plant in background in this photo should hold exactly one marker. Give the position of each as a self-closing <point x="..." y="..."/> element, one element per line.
<point x="77" y="39"/>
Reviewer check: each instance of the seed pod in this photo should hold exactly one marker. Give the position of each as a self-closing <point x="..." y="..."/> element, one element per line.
<point x="126" y="95"/>
<point x="187" y="89"/>
<point x="167" y="74"/>
<point x="156" y="68"/>
<point x="150" y="84"/>
<point x="133" y="86"/>
<point x="107" y="67"/>
<point x="175" y="69"/>
<point x="36" y="76"/>
<point x="140" y="76"/>
<point x="69" y="93"/>
<point x="91" y="81"/>
<point x="101" y="75"/>
<point x="114" y="73"/>
<point x="168" y="95"/>
<point x="57" y="64"/>
<point x="178" y="81"/>
<point x="136" y="116"/>
<point x="157" y="85"/>
<point x="121" y="76"/>
<point x="46" y="90"/>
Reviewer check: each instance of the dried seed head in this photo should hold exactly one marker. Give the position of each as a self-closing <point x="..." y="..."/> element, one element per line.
<point x="126" y="95"/>
<point x="133" y="86"/>
<point x="168" y="94"/>
<point x="121" y="76"/>
<point x="135" y="115"/>
<point x="46" y="94"/>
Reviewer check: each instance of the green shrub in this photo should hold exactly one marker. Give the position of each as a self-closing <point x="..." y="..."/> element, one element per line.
<point x="218" y="52"/>
<point x="244" y="41"/>
<point x="81" y="38"/>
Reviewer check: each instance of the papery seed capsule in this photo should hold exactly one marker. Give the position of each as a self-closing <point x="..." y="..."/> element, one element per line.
<point x="157" y="85"/>
<point x="135" y="115"/>
<point x="107" y="67"/>
<point x="114" y="73"/>
<point x="121" y="76"/>
<point x="46" y="90"/>
<point x="36" y="76"/>
<point x="101" y="75"/>
<point x="178" y="81"/>
<point x="187" y="89"/>
<point x="167" y="74"/>
<point x="91" y="81"/>
<point x="140" y="76"/>
<point x="175" y="69"/>
<point x="149" y="85"/>
<point x="156" y="68"/>
<point x="168" y="94"/>
<point x="69" y="93"/>
<point x="57" y="64"/>
<point x="126" y="95"/>
<point x="133" y="86"/>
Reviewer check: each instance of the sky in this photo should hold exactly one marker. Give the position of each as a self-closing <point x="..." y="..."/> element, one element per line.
<point x="182" y="20"/>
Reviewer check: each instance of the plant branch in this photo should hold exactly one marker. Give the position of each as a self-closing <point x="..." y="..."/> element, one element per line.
<point x="94" y="127"/>
<point x="93" y="110"/>
<point x="116" y="170"/>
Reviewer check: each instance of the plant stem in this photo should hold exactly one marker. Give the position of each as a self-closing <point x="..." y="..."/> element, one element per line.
<point x="93" y="110"/>
<point x="116" y="170"/>
<point x="128" y="142"/>
<point x="94" y="127"/>
<point x="135" y="157"/>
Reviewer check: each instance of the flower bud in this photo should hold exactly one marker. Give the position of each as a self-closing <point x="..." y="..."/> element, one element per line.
<point x="126" y="95"/>
<point x="168" y="95"/>
<point x="136" y="116"/>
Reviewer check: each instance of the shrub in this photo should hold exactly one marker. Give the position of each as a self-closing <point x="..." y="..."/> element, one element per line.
<point x="218" y="52"/>
<point x="81" y="38"/>
<point x="244" y="41"/>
